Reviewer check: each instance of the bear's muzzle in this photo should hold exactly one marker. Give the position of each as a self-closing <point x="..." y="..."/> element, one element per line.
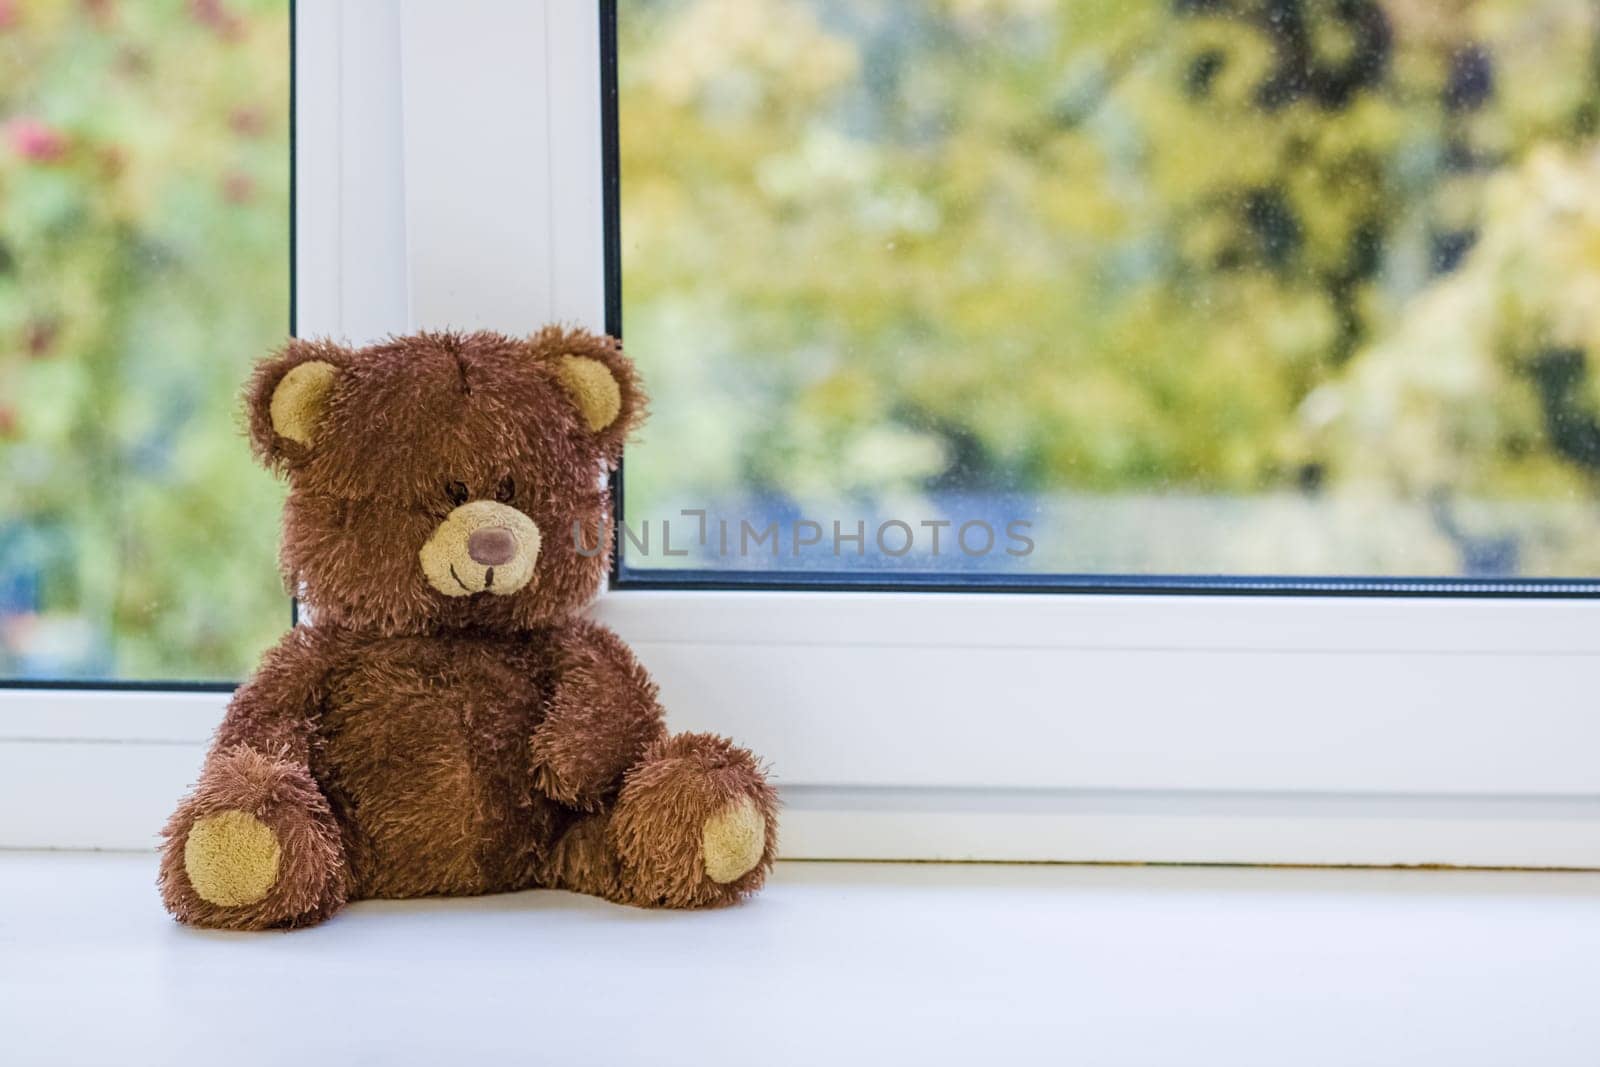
<point x="482" y="546"/>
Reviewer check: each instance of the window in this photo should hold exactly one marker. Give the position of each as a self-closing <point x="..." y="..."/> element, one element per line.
<point x="458" y="165"/>
<point x="1113" y="290"/>
<point x="144" y="263"/>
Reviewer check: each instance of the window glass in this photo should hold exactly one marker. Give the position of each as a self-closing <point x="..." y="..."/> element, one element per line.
<point x="144" y="262"/>
<point x="1185" y="287"/>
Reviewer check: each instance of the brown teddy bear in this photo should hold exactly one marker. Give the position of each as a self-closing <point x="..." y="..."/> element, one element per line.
<point x="448" y="724"/>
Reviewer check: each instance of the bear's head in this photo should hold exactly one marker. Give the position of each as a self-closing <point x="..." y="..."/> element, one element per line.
<point x="436" y="480"/>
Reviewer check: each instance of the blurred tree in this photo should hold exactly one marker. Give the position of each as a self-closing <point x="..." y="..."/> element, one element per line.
<point x="887" y="249"/>
<point x="144" y="228"/>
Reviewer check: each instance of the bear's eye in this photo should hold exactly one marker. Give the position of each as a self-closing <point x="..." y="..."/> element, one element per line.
<point x="457" y="492"/>
<point x="506" y="490"/>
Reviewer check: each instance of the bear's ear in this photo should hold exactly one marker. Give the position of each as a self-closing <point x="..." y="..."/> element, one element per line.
<point x="287" y="398"/>
<point x="598" y="380"/>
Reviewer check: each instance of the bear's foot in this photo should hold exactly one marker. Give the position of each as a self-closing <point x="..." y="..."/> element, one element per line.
<point x="732" y="841"/>
<point x="254" y="847"/>
<point x="694" y="827"/>
<point x="231" y="858"/>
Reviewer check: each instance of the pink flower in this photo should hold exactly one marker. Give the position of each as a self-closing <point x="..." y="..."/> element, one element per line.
<point x="34" y="140"/>
<point x="238" y="188"/>
<point x="247" y="122"/>
<point x="8" y="14"/>
<point x="212" y="14"/>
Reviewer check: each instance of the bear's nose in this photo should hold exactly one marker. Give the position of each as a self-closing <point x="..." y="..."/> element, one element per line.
<point x="491" y="546"/>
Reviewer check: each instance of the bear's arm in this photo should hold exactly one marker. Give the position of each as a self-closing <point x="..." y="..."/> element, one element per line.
<point x="600" y="716"/>
<point x="275" y="712"/>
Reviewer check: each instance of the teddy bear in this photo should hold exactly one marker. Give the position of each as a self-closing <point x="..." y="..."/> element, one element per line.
<point x="448" y="723"/>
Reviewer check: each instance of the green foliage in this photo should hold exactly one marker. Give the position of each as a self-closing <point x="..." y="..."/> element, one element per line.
<point x="1151" y="248"/>
<point x="144" y="184"/>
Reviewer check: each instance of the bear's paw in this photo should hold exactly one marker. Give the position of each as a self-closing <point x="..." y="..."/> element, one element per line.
<point x="231" y="859"/>
<point x="732" y="841"/>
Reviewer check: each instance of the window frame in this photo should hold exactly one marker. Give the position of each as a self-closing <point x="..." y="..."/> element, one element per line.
<point x="1073" y="726"/>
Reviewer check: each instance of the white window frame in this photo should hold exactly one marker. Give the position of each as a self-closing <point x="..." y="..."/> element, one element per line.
<point x="449" y="174"/>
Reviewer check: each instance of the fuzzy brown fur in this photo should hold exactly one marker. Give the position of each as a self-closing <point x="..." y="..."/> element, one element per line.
<point x="412" y="743"/>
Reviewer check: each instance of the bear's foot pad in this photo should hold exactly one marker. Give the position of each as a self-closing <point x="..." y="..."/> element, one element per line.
<point x="231" y="858"/>
<point x="732" y="842"/>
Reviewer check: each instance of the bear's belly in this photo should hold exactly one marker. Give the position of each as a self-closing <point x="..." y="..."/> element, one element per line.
<point x="423" y="750"/>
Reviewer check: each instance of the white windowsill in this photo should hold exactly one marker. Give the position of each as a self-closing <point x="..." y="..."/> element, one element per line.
<point x="834" y="963"/>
